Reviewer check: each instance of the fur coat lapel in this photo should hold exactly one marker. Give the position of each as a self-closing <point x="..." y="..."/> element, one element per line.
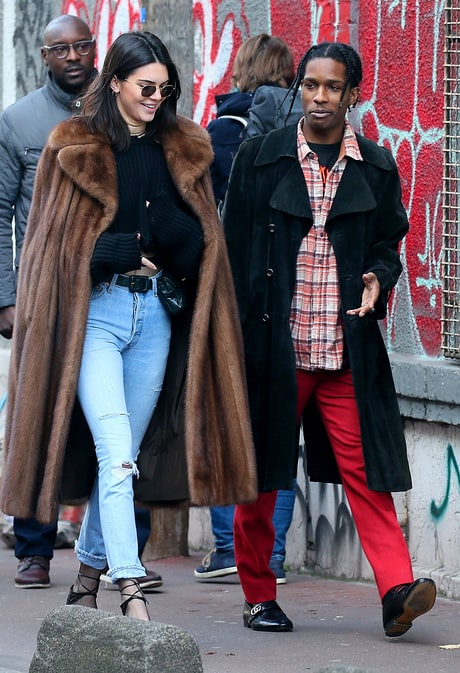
<point x="75" y="199"/>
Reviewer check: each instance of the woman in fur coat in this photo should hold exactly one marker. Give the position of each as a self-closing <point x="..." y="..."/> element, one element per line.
<point x="122" y="198"/>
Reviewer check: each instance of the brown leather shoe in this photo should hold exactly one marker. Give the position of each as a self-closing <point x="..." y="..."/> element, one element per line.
<point x="151" y="581"/>
<point x="33" y="573"/>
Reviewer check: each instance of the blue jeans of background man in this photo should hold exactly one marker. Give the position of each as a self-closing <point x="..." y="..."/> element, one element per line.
<point x="33" y="538"/>
<point x="222" y="524"/>
<point x="122" y="369"/>
<point x="142" y="515"/>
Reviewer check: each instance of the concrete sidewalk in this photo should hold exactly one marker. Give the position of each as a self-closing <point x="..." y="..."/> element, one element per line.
<point x="337" y="623"/>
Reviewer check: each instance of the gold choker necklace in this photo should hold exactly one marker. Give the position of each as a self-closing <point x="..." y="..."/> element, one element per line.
<point x="134" y="131"/>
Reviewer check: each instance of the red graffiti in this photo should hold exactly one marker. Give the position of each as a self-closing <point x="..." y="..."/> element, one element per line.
<point x="402" y="94"/>
<point x="107" y="19"/>
<point x="317" y="21"/>
<point x="217" y="39"/>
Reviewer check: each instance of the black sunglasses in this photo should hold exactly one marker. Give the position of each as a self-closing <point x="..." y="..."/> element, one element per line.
<point x="148" y="90"/>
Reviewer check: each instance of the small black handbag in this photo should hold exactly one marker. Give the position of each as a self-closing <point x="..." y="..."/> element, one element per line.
<point x="171" y="293"/>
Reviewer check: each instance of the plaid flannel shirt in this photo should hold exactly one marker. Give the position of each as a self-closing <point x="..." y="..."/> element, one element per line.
<point x="316" y="323"/>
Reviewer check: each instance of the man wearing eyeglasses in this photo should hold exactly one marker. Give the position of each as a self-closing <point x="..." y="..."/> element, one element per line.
<point x="24" y="129"/>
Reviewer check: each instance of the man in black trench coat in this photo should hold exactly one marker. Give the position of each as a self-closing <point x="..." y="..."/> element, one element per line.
<point x="313" y="220"/>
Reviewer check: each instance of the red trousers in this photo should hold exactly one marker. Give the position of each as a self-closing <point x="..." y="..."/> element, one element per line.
<point x="373" y="511"/>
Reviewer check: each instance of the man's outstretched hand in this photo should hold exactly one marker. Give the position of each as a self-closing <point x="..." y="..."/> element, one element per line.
<point x="371" y="293"/>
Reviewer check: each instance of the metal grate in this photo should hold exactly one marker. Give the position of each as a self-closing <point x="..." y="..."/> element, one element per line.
<point x="451" y="200"/>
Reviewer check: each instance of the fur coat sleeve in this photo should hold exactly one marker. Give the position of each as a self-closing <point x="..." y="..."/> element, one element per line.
<point x="75" y="200"/>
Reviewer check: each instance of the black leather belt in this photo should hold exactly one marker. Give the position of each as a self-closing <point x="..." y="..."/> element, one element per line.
<point x="135" y="283"/>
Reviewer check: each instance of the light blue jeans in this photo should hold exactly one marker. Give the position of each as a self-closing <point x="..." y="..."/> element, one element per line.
<point x="122" y="369"/>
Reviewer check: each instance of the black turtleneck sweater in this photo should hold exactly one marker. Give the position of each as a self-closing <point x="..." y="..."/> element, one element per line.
<point x="149" y="204"/>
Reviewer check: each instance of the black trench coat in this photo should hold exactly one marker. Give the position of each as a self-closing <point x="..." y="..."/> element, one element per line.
<point x="267" y="213"/>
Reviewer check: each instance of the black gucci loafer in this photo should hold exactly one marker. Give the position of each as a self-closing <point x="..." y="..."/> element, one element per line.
<point x="404" y="603"/>
<point x="266" y="616"/>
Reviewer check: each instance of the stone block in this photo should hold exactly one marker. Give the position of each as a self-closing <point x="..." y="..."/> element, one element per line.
<point x="75" y="639"/>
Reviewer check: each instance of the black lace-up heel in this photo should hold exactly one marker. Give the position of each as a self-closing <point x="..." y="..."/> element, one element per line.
<point x="125" y="592"/>
<point x="75" y="596"/>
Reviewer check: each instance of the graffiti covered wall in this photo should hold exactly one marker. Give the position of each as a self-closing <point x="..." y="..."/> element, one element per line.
<point x="434" y="502"/>
<point x="403" y="44"/>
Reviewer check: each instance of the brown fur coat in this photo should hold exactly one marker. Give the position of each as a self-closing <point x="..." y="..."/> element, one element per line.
<point x="75" y="200"/>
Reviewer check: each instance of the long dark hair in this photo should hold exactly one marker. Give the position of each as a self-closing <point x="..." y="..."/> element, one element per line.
<point x="338" y="51"/>
<point x="127" y="53"/>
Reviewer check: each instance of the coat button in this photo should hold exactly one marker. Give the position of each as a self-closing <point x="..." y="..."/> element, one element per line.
<point x="265" y="317"/>
<point x="271" y="227"/>
<point x="269" y="273"/>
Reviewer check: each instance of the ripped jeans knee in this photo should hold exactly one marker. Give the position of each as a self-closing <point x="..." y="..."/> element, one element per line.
<point x="125" y="469"/>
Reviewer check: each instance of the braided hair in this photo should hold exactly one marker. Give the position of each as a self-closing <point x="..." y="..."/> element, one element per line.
<point x="338" y="51"/>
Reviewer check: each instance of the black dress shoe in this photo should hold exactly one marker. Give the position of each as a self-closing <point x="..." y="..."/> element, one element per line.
<point x="403" y="603"/>
<point x="266" y="616"/>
